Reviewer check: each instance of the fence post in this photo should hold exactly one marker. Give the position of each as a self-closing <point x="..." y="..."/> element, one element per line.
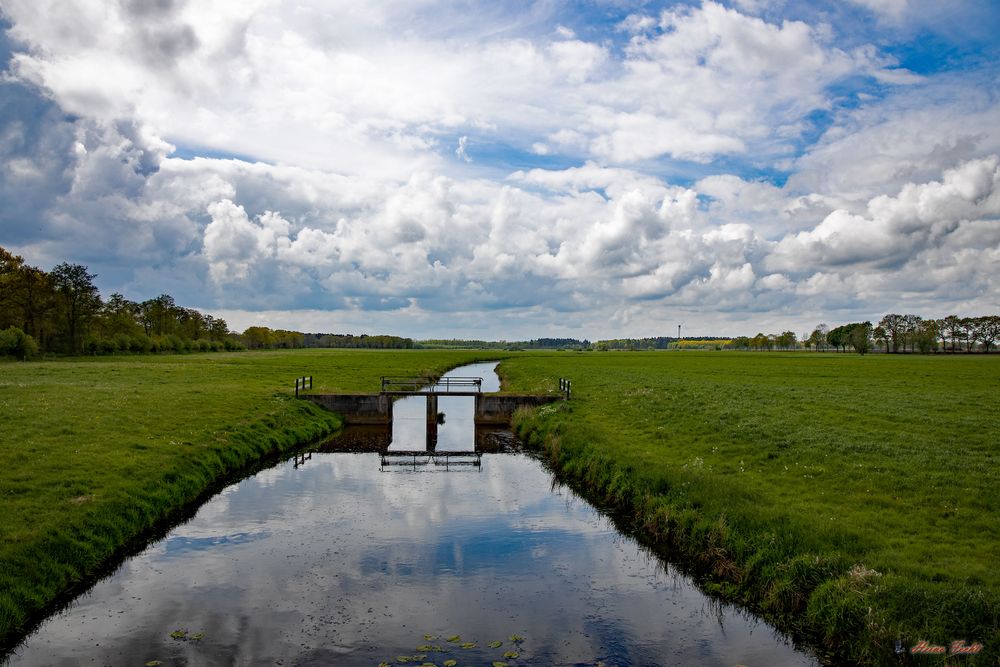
<point x="565" y="387"/>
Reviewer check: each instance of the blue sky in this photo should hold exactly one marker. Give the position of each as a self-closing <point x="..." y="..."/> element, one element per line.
<point x="508" y="170"/>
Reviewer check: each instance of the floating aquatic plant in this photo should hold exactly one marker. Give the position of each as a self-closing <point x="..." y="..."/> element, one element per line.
<point x="430" y="638"/>
<point x="517" y="639"/>
<point x="468" y="645"/>
<point x="425" y="647"/>
<point x="403" y="659"/>
<point x="179" y="634"/>
<point x="384" y="664"/>
<point x="511" y="655"/>
<point x="496" y="644"/>
<point x="455" y="639"/>
<point x="498" y="663"/>
<point x="450" y="663"/>
<point x="153" y="663"/>
<point x="198" y="636"/>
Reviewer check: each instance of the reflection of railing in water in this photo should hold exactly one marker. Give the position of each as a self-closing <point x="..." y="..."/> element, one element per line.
<point x="422" y="458"/>
<point x="301" y="458"/>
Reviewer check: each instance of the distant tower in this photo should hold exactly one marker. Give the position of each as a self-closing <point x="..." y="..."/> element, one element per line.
<point x="678" y="332"/>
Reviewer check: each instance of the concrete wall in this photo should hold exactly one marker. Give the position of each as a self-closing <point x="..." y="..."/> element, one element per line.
<point x="357" y="408"/>
<point x="499" y="409"/>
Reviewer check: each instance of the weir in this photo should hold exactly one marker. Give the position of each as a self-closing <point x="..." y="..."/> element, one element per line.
<point x="491" y="409"/>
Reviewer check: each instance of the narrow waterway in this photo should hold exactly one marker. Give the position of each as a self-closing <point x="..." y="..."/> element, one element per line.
<point x="341" y="560"/>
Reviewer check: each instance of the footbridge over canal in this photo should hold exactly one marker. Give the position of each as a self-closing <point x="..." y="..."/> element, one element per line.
<point x="376" y="409"/>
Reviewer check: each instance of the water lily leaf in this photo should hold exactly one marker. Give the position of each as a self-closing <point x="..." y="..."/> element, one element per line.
<point x="428" y="664"/>
<point x="198" y="635"/>
<point x="469" y="645"/>
<point x="517" y="639"/>
<point x="496" y="644"/>
<point x="384" y="664"/>
<point x="430" y="638"/>
<point x="497" y="663"/>
<point x="403" y="659"/>
<point x="153" y="663"/>
<point x="511" y="655"/>
<point x="455" y="639"/>
<point x="418" y="658"/>
<point x="179" y="634"/>
<point x="425" y="647"/>
<point x="450" y="663"/>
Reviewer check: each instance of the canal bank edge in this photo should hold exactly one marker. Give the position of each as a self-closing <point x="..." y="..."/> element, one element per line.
<point x="822" y="599"/>
<point x="44" y="575"/>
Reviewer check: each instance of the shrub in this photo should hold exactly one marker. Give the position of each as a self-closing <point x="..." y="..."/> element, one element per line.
<point x="140" y="343"/>
<point x="123" y="342"/>
<point x="16" y="343"/>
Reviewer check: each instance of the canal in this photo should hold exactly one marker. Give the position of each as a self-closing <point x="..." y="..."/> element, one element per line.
<point x="340" y="559"/>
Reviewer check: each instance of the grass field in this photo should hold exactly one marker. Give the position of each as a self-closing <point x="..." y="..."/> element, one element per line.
<point x="853" y="498"/>
<point x="97" y="452"/>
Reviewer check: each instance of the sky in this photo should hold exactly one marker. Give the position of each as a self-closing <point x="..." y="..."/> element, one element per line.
<point x="585" y="168"/>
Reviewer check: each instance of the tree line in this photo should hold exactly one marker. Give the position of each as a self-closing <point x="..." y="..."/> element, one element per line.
<point x="257" y="338"/>
<point x="894" y="333"/>
<point x="61" y="311"/>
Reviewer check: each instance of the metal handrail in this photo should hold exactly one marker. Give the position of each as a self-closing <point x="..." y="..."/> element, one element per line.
<point x="417" y="383"/>
<point x="303" y="383"/>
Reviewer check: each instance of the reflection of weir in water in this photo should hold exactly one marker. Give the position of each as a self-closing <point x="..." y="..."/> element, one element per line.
<point x="377" y="438"/>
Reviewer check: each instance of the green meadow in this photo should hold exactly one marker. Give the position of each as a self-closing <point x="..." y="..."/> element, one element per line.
<point x="96" y="453"/>
<point x="853" y="500"/>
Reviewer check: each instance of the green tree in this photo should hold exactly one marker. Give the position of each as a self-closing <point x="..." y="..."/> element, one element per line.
<point x="860" y="337"/>
<point x="894" y="326"/>
<point x="927" y="335"/>
<point x="787" y="340"/>
<point x="158" y="316"/>
<point x="837" y="337"/>
<point x="881" y="337"/>
<point x="78" y="301"/>
<point x="27" y="297"/>
<point x="952" y="325"/>
<point x="818" y="337"/>
<point x="970" y="332"/>
<point x="119" y="316"/>
<point x="256" y="338"/>
<point x="989" y="331"/>
<point x="218" y="330"/>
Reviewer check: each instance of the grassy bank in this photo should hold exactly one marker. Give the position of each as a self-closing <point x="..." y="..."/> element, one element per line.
<point x="96" y="453"/>
<point x="852" y="499"/>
